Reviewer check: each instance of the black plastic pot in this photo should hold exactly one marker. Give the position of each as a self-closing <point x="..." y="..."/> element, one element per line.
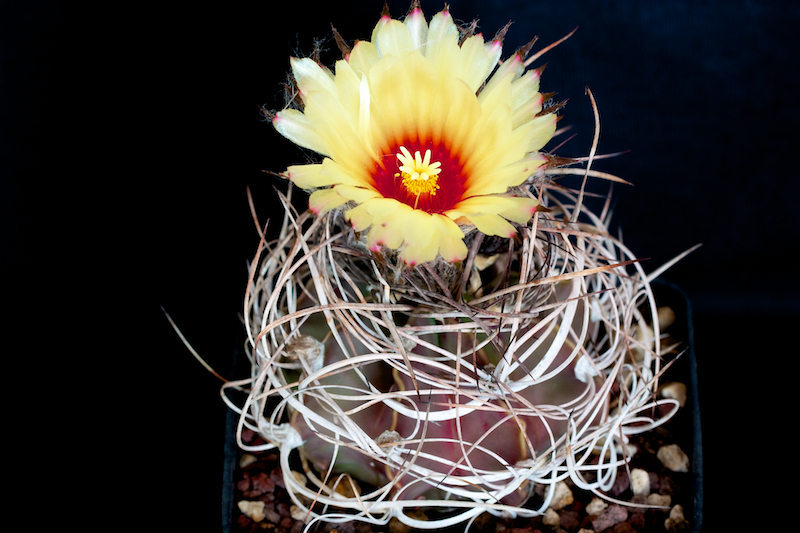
<point x="685" y="370"/>
<point x="232" y="452"/>
<point x="688" y="419"/>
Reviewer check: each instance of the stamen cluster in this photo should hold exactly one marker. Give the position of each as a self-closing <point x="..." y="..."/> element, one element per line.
<point x="420" y="176"/>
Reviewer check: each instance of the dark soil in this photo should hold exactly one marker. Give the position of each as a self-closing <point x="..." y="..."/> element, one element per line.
<point x="262" y="480"/>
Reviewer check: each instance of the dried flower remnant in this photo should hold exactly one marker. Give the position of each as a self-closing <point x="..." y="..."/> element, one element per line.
<point x="422" y="136"/>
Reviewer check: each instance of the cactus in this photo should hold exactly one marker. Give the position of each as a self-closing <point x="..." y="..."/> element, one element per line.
<point x="509" y="344"/>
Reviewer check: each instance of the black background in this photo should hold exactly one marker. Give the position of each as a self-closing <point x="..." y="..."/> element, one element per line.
<point x="130" y="136"/>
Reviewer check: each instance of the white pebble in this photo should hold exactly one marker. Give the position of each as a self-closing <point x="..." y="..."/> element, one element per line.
<point x="299" y="477"/>
<point x="673" y="458"/>
<point x="551" y="518"/>
<point x="596" y="506"/>
<point x="676" y="391"/>
<point x="676" y="520"/>
<point x="298" y="513"/>
<point x="640" y="482"/>
<point x="246" y="460"/>
<point x="254" y="510"/>
<point x="562" y="496"/>
<point x="666" y="317"/>
<point x="661" y="500"/>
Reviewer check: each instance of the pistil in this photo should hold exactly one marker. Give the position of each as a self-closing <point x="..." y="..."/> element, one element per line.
<point x="420" y="176"/>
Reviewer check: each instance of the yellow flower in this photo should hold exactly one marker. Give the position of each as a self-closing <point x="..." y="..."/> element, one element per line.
<point x="418" y="138"/>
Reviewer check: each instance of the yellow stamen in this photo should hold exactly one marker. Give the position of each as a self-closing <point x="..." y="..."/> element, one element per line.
<point x="420" y="176"/>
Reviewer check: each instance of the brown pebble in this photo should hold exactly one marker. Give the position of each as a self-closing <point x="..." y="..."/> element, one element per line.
<point x="277" y="477"/>
<point x="396" y="526"/>
<point x="480" y="523"/>
<point x="271" y="516"/>
<point x="624" y="527"/>
<point x="262" y="483"/>
<point x="637" y="520"/>
<point x="654" y="484"/>
<point x="621" y="484"/>
<point x="363" y="527"/>
<point x="346" y="527"/>
<point x="570" y="520"/>
<point x="244" y="483"/>
<point x="667" y="485"/>
<point x="638" y="499"/>
<point x="612" y="516"/>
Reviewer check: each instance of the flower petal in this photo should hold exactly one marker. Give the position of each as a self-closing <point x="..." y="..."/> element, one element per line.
<point x="487" y="212"/>
<point x="476" y="62"/>
<point x="363" y="56"/>
<point x="442" y="38"/>
<point x="492" y="225"/>
<point x="348" y="84"/>
<point x="545" y="127"/>
<point x="527" y="111"/>
<point x="296" y="126"/>
<point x="451" y="239"/>
<point x="384" y="234"/>
<point x="393" y="39"/>
<point x="385" y="19"/>
<point x="308" y="176"/>
<point x="357" y="194"/>
<point x="336" y="173"/>
<point x="494" y="181"/>
<point x="442" y="48"/>
<point x="323" y="200"/>
<point x="494" y="204"/>
<point x="373" y="211"/>
<point x="311" y="76"/>
<point x="463" y="112"/>
<point x="337" y="132"/>
<point x="524" y="88"/>
<point x="511" y="68"/>
<point x="522" y="211"/>
<point x="418" y="28"/>
<point x="403" y="117"/>
<point x="420" y="243"/>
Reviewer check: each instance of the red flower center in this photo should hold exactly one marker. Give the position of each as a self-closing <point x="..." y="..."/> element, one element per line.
<point x="439" y="193"/>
